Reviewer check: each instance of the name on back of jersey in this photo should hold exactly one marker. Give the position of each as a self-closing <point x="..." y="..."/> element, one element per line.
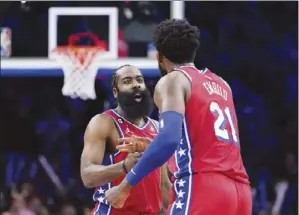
<point x="214" y="88"/>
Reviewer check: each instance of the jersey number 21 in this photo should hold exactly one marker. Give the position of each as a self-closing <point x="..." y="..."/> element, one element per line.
<point x="223" y="115"/>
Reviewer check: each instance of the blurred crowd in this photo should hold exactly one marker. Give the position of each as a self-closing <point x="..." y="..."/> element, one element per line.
<point x="253" y="45"/>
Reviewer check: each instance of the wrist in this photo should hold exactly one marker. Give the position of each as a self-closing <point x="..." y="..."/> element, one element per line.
<point x="125" y="186"/>
<point x="124" y="167"/>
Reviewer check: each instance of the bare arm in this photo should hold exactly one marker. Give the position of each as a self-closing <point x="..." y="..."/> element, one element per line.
<point x="165" y="187"/>
<point x="93" y="173"/>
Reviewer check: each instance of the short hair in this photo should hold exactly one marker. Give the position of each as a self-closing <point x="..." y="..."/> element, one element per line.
<point x="114" y="75"/>
<point x="177" y="40"/>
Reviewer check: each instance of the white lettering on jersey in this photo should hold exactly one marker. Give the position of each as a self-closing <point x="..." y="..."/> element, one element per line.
<point x="161" y="123"/>
<point x="214" y="88"/>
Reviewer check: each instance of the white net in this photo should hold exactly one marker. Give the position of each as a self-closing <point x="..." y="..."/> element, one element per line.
<point x="80" y="69"/>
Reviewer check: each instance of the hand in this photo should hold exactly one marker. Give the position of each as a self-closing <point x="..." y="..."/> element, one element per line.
<point x="116" y="196"/>
<point x="132" y="159"/>
<point x="136" y="144"/>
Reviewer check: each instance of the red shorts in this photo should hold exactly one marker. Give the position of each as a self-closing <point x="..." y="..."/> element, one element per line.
<point x="210" y="194"/>
<point x="108" y="210"/>
<point x="126" y="212"/>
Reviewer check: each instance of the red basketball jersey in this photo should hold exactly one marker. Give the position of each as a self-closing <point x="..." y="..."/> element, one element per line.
<point x="146" y="196"/>
<point x="210" y="141"/>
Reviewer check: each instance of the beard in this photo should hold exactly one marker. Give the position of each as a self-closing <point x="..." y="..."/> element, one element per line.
<point x="162" y="71"/>
<point x="132" y="109"/>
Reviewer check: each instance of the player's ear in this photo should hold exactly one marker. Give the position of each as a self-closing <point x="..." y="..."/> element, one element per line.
<point x="159" y="57"/>
<point x="114" y="92"/>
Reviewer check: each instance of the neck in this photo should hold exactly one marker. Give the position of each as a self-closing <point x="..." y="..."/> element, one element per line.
<point x="174" y="66"/>
<point x="139" y="122"/>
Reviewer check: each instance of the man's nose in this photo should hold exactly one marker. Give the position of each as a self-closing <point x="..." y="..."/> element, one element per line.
<point x="136" y="84"/>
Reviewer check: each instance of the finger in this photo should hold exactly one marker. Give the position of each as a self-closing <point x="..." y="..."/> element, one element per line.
<point x="135" y="139"/>
<point x="126" y="139"/>
<point x="131" y="147"/>
<point x="125" y="146"/>
<point x="141" y="146"/>
<point x="125" y="150"/>
<point x="142" y="139"/>
<point x="129" y="150"/>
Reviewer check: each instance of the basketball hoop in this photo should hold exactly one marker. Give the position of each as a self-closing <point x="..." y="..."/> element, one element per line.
<point x="79" y="66"/>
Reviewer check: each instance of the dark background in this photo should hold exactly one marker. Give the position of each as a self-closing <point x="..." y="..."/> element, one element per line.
<point x="252" y="45"/>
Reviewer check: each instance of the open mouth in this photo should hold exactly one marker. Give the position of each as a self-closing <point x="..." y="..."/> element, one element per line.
<point x="138" y="97"/>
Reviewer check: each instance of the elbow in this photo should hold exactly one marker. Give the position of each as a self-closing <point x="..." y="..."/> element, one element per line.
<point x="92" y="177"/>
<point x="87" y="182"/>
<point x="170" y="139"/>
<point x="88" y="185"/>
<point x="171" y="145"/>
<point x="91" y="180"/>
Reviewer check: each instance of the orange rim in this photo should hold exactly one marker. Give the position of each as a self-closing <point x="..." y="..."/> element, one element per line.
<point x="77" y="48"/>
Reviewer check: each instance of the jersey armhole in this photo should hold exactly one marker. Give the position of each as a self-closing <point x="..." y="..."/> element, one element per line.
<point x="119" y="131"/>
<point x="155" y="124"/>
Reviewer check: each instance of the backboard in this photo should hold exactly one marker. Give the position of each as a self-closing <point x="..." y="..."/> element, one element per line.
<point x="126" y="38"/>
<point x="111" y="12"/>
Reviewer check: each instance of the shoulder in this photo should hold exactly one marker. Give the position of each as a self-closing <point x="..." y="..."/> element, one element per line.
<point x="221" y="79"/>
<point x="171" y="77"/>
<point x="174" y="83"/>
<point x="100" y="119"/>
<point x="100" y="124"/>
<point x="174" y="80"/>
<point x="225" y="82"/>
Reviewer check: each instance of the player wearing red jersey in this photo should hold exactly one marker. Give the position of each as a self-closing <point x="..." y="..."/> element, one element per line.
<point x="103" y="166"/>
<point x="198" y="124"/>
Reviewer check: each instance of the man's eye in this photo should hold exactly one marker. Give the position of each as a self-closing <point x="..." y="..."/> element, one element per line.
<point x="140" y="80"/>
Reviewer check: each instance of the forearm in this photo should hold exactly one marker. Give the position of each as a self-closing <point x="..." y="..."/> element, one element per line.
<point x="98" y="175"/>
<point x="166" y="194"/>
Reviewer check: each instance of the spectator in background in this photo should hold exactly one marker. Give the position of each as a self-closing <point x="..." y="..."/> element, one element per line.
<point x="37" y="207"/>
<point x="53" y="130"/>
<point x="68" y="209"/>
<point x="19" y="206"/>
<point x="139" y="33"/>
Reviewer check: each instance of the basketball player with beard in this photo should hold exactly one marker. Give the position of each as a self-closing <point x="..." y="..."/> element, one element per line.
<point x="103" y="166"/>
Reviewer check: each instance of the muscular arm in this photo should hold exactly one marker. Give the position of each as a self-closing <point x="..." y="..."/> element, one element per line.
<point x="171" y="92"/>
<point x="165" y="182"/>
<point x="165" y="187"/>
<point x="170" y="96"/>
<point x="93" y="173"/>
